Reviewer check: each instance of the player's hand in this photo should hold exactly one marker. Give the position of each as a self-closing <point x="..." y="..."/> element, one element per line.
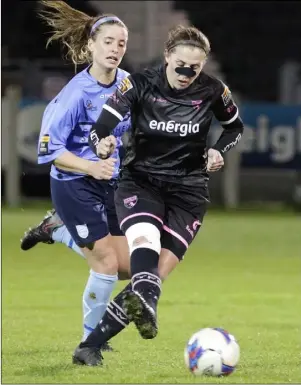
<point x="102" y="169"/>
<point x="106" y="147"/>
<point x="215" y="161"/>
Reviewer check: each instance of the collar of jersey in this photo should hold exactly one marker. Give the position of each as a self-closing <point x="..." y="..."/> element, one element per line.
<point x="87" y="71"/>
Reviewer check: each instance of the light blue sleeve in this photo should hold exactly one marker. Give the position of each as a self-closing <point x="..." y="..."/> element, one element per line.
<point x="123" y="126"/>
<point x="59" y="118"/>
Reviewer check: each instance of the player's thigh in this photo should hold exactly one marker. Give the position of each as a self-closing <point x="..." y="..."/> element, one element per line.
<point x="138" y="202"/>
<point x="140" y="211"/>
<point x="182" y="222"/>
<point x="119" y="240"/>
<point x="80" y="203"/>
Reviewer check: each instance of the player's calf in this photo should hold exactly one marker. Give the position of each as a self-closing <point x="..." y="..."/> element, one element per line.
<point x="103" y="276"/>
<point x="140" y="304"/>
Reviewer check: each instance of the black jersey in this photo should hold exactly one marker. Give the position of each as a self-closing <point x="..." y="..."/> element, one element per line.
<point x="169" y="127"/>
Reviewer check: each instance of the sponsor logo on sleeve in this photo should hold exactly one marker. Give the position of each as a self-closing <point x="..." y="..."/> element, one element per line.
<point x="43" y="145"/>
<point x="125" y="86"/>
<point x="226" y="96"/>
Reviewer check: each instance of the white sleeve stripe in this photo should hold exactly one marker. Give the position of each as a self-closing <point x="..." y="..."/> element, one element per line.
<point x="114" y="112"/>
<point x="231" y="120"/>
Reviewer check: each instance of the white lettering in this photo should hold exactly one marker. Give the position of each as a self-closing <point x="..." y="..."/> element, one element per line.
<point x="232" y="144"/>
<point x="248" y="140"/>
<point x="153" y="124"/>
<point x="161" y="126"/>
<point x="262" y="133"/>
<point x="195" y="128"/>
<point x="171" y="126"/>
<point x="282" y="143"/>
<point x="94" y="137"/>
<point x="183" y="130"/>
<point x="177" y="127"/>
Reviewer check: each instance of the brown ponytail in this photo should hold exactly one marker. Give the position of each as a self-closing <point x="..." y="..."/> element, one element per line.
<point x="71" y="27"/>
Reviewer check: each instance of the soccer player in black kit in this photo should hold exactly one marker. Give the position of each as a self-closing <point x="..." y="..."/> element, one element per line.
<point x="162" y="194"/>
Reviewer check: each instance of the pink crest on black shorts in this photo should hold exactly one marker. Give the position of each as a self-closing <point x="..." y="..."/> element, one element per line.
<point x="130" y="202"/>
<point x="196" y="224"/>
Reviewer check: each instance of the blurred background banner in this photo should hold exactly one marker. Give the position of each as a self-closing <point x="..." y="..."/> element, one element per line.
<point x="272" y="136"/>
<point x="254" y="51"/>
<point x="28" y="124"/>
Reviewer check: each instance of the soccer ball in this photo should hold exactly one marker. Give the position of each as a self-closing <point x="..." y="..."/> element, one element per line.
<point x="212" y="352"/>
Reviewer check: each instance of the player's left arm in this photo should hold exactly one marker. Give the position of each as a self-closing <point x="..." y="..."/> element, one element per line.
<point x="101" y="139"/>
<point x="122" y="127"/>
<point x="226" y="112"/>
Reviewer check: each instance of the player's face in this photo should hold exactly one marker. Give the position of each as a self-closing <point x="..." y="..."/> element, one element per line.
<point x="188" y="57"/>
<point x="109" y="47"/>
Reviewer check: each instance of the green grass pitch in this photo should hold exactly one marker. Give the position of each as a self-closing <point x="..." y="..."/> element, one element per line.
<point x="242" y="273"/>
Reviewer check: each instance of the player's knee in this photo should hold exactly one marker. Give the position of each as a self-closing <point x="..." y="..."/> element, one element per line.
<point x="143" y="235"/>
<point x="103" y="256"/>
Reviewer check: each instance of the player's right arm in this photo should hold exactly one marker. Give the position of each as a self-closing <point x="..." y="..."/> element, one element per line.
<point x="58" y="121"/>
<point x="101" y="138"/>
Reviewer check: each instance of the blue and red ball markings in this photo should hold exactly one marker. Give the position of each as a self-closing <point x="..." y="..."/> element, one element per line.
<point x="224" y="333"/>
<point x="194" y="353"/>
<point x="226" y="369"/>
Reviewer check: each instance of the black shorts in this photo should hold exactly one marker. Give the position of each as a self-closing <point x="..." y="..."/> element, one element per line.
<point x="175" y="209"/>
<point x="86" y="206"/>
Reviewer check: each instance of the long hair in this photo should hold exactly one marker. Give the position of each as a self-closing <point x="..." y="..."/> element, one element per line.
<point x="71" y="27"/>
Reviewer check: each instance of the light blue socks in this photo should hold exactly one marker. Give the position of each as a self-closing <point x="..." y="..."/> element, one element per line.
<point x="96" y="298"/>
<point x="98" y="289"/>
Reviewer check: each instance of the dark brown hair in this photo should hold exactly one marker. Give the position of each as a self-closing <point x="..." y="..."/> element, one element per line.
<point x="181" y="35"/>
<point x="72" y="28"/>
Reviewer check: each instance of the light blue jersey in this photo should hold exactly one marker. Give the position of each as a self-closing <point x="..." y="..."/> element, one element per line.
<point x="68" y="118"/>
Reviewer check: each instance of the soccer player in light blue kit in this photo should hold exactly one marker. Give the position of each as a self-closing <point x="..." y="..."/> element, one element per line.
<point x="82" y="186"/>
